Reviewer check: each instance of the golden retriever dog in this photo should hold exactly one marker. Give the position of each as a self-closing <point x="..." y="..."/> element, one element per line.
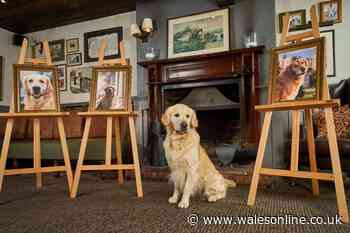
<point x="106" y="100"/>
<point x="290" y="79"/>
<point x="192" y="172"/>
<point x="38" y="92"/>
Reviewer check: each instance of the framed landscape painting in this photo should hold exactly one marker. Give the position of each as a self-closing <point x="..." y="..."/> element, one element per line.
<point x="297" y="71"/>
<point x="93" y="40"/>
<point x="198" y="34"/>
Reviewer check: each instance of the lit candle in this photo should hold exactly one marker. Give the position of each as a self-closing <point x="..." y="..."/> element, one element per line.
<point x="147" y="25"/>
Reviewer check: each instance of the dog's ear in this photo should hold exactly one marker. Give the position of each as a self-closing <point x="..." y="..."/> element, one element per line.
<point x="194" y="121"/>
<point x="166" y="117"/>
<point x="49" y="87"/>
<point x="26" y="87"/>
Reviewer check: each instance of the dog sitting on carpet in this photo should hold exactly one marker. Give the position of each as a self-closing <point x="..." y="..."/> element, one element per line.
<point x="192" y="172"/>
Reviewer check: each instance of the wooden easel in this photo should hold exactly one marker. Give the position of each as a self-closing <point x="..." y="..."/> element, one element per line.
<point x="117" y="116"/>
<point x="296" y="108"/>
<point x="12" y="115"/>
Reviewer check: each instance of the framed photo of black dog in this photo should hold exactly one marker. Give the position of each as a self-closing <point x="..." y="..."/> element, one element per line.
<point x="111" y="88"/>
<point x="297" y="71"/>
<point x="36" y="88"/>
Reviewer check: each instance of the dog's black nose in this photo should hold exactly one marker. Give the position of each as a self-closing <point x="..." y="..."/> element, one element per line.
<point x="36" y="90"/>
<point x="183" y="125"/>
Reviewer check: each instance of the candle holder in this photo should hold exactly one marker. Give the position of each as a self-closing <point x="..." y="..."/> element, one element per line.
<point x="143" y="31"/>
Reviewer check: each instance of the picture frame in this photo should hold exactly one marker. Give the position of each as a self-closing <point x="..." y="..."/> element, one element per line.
<point x="197" y="34"/>
<point x="72" y="45"/>
<point x="331" y="12"/>
<point x="297" y="71"/>
<point x="57" y="50"/>
<point x="79" y="79"/>
<point x="111" y="88"/>
<point x="330" y="52"/>
<point x="1" y="76"/>
<point x="297" y="23"/>
<point x="35" y="88"/>
<point x="74" y="59"/>
<point x="62" y="77"/>
<point x="92" y="43"/>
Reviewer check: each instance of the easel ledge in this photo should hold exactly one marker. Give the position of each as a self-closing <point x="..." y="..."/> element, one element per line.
<point x="119" y="114"/>
<point x="286" y="106"/>
<point x="33" y="114"/>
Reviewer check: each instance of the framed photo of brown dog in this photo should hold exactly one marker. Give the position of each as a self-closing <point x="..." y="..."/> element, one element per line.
<point x="111" y="88"/>
<point x="297" y="71"/>
<point x="36" y="88"/>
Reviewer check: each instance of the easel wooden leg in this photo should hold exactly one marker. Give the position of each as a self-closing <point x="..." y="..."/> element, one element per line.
<point x="81" y="158"/>
<point x="37" y="152"/>
<point x="118" y="149"/>
<point x="311" y="148"/>
<point x="5" y="149"/>
<point x="109" y="140"/>
<point x="135" y="155"/>
<point x="259" y="158"/>
<point x="336" y="167"/>
<point x="295" y="140"/>
<point x="65" y="152"/>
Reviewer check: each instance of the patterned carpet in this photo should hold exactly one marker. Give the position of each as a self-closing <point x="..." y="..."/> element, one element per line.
<point x="105" y="206"/>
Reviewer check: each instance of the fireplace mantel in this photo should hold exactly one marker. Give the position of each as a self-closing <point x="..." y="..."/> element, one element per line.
<point x="240" y="65"/>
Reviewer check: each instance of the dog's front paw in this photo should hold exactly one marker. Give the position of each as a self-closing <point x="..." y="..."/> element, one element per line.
<point x="216" y="197"/>
<point x="184" y="204"/>
<point x="173" y="199"/>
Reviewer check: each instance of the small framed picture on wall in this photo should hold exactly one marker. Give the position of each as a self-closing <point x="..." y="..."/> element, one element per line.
<point x="74" y="59"/>
<point x="57" y="50"/>
<point x="72" y="45"/>
<point x="62" y="77"/>
<point x="297" y="20"/>
<point x="331" y="12"/>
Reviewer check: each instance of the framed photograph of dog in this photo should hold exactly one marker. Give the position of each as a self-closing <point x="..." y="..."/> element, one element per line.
<point x="297" y="71"/>
<point x="36" y="88"/>
<point x="111" y="88"/>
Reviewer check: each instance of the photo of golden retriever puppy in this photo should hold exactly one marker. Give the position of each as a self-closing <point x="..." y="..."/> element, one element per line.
<point x="192" y="172"/>
<point x="110" y="90"/>
<point x="296" y="75"/>
<point x="36" y="91"/>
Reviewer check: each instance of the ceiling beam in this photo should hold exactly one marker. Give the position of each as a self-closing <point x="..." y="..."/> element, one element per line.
<point x="225" y="3"/>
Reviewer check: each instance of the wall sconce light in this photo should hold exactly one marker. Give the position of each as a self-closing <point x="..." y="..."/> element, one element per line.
<point x="144" y="31"/>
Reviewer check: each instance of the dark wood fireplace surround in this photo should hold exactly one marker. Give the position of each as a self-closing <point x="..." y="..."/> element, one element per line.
<point x="241" y="66"/>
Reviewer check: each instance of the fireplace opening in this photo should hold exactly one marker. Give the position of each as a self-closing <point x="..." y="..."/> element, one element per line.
<point x="219" y="113"/>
